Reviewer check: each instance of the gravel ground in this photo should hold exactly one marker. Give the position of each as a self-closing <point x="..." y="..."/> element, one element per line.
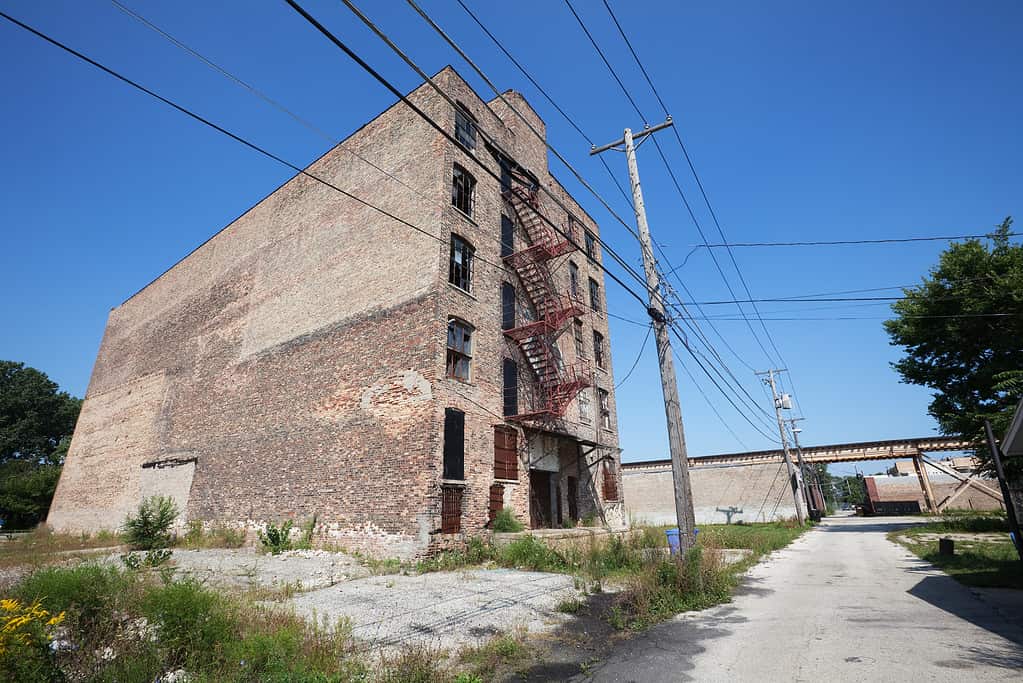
<point x="245" y="568"/>
<point x="446" y="609"/>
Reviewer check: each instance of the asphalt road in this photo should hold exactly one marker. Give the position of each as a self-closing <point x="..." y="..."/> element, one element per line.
<point x="842" y="603"/>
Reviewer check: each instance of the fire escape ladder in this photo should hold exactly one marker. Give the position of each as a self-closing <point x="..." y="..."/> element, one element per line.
<point x="556" y="384"/>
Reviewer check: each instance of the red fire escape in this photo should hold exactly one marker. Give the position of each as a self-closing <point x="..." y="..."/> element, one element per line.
<point x="556" y="383"/>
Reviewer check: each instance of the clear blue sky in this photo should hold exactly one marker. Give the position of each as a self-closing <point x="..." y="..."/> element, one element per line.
<point x="806" y="121"/>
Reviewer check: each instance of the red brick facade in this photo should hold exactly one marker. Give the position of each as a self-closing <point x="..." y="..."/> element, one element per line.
<point x="295" y="364"/>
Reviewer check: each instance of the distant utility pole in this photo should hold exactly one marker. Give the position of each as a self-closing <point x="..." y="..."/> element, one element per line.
<point x="804" y="479"/>
<point x="793" y="474"/>
<point x="672" y="408"/>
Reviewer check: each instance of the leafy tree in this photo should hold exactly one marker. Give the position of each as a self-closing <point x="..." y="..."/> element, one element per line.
<point x="36" y="423"/>
<point x="962" y="329"/>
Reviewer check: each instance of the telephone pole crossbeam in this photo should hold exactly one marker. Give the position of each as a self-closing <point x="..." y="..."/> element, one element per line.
<point x="672" y="408"/>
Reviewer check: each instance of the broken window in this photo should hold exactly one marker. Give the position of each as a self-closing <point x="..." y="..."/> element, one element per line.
<point x="511" y="387"/>
<point x="507" y="305"/>
<point x="598" y="350"/>
<point x="584" y="407"/>
<point x="594" y="295"/>
<point x="507" y="236"/>
<point x="465" y="126"/>
<point x="580" y="349"/>
<point x="610" y="482"/>
<point x="605" y="408"/>
<point x="591" y="245"/>
<point x="573" y="279"/>
<point x="454" y="444"/>
<point x="459" y="350"/>
<point x="460" y="263"/>
<point x="451" y="510"/>
<point x="462" y="187"/>
<point x="506" y="453"/>
<point x="573" y="225"/>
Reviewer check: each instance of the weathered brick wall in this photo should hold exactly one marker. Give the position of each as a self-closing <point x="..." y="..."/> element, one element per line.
<point x="295" y="361"/>
<point x="761" y="492"/>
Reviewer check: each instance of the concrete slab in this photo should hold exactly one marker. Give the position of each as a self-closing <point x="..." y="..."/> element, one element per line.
<point x="444" y="608"/>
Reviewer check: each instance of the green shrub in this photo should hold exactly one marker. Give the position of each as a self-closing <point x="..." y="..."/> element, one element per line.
<point x="531" y="553"/>
<point x="86" y="591"/>
<point x="276" y="539"/>
<point x="150" y="527"/>
<point x="152" y="559"/>
<point x="194" y="623"/>
<point x="412" y="664"/>
<point x="505" y="521"/>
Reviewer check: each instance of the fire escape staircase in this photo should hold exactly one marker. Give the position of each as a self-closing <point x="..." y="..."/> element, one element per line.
<point x="556" y="383"/>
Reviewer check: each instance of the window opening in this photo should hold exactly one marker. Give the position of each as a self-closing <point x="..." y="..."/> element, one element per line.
<point x="507" y="305"/>
<point x="506" y="453"/>
<point x="573" y="279"/>
<point x="454" y="444"/>
<point x="451" y="510"/>
<point x="462" y="187"/>
<point x="605" y="408"/>
<point x="591" y="245"/>
<point x="465" y="126"/>
<point x="610" y="483"/>
<point x="460" y="262"/>
<point x="594" y="295"/>
<point x="511" y="387"/>
<point x="507" y="236"/>
<point x="459" y="359"/>
<point x="598" y="350"/>
<point x="584" y="407"/>
<point x="580" y="349"/>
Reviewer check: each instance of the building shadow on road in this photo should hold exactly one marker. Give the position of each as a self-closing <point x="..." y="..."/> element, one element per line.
<point x="952" y="597"/>
<point x="587" y="648"/>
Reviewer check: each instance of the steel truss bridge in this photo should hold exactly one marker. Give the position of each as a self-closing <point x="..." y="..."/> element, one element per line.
<point x="892" y="449"/>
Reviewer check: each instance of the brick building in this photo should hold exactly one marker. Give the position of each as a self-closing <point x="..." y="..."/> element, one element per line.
<point x="316" y="357"/>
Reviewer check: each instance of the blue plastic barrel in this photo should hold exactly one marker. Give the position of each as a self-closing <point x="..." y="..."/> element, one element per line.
<point x="674" y="545"/>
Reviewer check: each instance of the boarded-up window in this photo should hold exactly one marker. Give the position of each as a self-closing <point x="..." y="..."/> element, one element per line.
<point x="451" y="510"/>
<point x="507" y="236"/>
<point x="496" y="500"/>
<point x="511" y="387"/>
<point x="610" y="483"/>
<point x="454" y="444"/>
<point x="507" y="305"/>
<point x="506" y="456"/>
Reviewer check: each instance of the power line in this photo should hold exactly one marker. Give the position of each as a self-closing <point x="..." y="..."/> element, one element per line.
<point x="479" y="71"/>
<point x="639" y="355"/>
<point x="699" y="183"/>
<point x="919" y="317"/>
<point x="892" y="240"/>
<point x="415" y="67"/>
<point x="614" y="178"/>
<point x="256" y="91"/>
<point x="671" y="173"/>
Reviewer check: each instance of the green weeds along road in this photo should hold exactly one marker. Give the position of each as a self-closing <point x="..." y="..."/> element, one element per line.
<point x="146" y="624"/>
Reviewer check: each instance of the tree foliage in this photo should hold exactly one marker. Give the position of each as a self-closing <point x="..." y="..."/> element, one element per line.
<point x="36" y="423"/>
<point x="962" y="330"/>
<point x="35" y="416"/>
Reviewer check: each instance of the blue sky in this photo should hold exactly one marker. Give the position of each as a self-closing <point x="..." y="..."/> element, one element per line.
<point x="806" y="121"/>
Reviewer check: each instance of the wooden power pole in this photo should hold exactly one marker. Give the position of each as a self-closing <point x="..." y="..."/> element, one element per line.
<point x="794" y="479"/>
<point x="672" y="408"/>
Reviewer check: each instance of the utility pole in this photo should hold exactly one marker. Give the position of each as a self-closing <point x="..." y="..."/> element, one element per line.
<point x="672" y="409"/>
<point x="793" y="474"/>
<point x="803" y="479"/>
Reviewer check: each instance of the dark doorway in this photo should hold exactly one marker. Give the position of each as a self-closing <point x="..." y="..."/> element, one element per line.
<point x="540" y="508"/>
<point x="573" y="499"/>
